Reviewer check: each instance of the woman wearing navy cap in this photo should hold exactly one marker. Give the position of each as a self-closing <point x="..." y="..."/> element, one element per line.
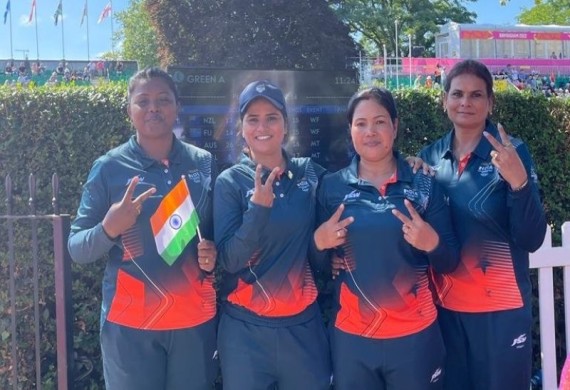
<point x="271" y="334"/>
<point x="489" y="177"/>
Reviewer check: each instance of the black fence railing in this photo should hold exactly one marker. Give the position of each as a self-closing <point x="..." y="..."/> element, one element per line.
<point x="29" y="298"/>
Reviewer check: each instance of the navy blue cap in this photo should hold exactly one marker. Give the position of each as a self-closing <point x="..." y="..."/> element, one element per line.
<point x="262" y="89"/>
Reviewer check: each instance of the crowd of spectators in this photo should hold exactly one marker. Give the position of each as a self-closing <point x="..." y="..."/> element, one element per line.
<point x="551" y="85"/>
<point x="65" y="72"/>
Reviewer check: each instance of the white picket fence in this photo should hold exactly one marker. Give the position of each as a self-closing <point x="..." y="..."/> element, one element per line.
<point x="545" y="260"/>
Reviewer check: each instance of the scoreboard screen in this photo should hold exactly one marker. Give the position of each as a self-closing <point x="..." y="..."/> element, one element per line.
<point x="316" y="110"/>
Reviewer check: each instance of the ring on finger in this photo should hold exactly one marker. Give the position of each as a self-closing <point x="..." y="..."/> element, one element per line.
<point x="509" y="145"/>
<point x="338" y="233"/>
<point x="494" y="154"/>
<point x="207" y="261"/>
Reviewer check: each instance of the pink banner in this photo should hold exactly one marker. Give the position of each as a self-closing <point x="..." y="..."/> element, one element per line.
<point x="525" y="35"/>
<point x="429" y="65"/>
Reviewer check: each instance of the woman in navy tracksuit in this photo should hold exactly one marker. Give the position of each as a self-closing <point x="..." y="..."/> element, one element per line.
<point x="271" y="332"/>
<point x="489" y="178"/>
<point x="385" y="333"/>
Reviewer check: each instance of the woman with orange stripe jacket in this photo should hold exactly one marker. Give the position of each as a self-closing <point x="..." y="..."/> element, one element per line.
<point x="492" y="187"/>
<point x="385" y="333"/>
<point x="271" y="334"/>
<point x="158" y="316"/>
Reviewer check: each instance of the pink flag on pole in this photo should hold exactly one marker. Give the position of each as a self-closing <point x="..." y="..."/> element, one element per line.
<point x="32" y="11"/>
<point x="105" y="13"/>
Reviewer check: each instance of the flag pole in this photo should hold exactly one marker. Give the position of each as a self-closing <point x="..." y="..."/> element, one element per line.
<point x="11" y="45"/>
<point x="62" y="33"/>
<point x="112" y="32"/>
<point x="87" y="17"/>
<point x="36" y="23"/>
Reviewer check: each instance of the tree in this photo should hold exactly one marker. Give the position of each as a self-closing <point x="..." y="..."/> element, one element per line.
<point x="547" y="12"/>
<point x="137" y="36"/>
<point x="375" y="20"/>
<point x="262" y="34"/>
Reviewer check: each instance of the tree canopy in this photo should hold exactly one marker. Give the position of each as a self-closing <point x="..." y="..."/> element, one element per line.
<point x="374" y="21"/>
<point x="261" y="34"/>
<point x="137" y="35"/>
<point x="547" y="12"/>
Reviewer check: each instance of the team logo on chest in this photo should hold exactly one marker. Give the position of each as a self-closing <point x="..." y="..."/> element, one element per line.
<point x="411" y="194"/>
<point x="303" y="184"/>
<point x="194" y="176"/>
<point x="485" y="169"/>
<point x="384" y="205"/>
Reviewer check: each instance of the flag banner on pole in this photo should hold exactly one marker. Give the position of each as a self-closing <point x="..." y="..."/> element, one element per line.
<point x="7" y="11"/>
<point x="84" y="13"/>
<point x="174" y="223"/>
<point x="32" y="11"/>
<point x="105" y="13"/>
<point x="58" y="12"/>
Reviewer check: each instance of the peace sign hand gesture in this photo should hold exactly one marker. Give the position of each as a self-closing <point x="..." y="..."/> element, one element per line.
<point x="122" y="215"/>
<point x="417" y="232"/>
<point x="332" y="233"/>
<point x="506" y="159"/>
<point x="263" y="193"/>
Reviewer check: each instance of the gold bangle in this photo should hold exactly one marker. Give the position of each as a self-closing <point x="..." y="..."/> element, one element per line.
<point x="522" y="186"/>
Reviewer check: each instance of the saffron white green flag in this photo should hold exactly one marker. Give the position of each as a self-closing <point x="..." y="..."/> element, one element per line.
<point x="174" y="223"/>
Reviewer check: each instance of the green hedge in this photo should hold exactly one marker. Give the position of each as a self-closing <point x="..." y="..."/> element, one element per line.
<point x="63" y="129"/>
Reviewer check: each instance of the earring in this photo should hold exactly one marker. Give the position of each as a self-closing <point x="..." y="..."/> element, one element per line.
<point x="444" y="109"/>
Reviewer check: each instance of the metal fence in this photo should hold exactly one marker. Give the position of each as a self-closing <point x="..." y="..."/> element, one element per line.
<point x="31" y="228"/>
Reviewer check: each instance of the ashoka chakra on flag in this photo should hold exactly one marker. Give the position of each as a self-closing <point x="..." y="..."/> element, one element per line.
<point x="174" y="223"/>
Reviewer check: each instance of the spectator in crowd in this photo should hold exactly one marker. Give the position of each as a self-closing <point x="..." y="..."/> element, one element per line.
<point x="23" y="78"/>
<point x="53" y="80"/>
<point x="418" y="81"/>
<point x="92" y="69"/>
<point x="429" y="82"/>
<point x="385" y="333"/>
<point x="271" y="334"/>
<point x="158" y="319"/>
<point x="67" y="75"/>
<point x="9" y="68"/>
<point x="490" y="181"/>
<point x="101" y="68"/>
<point x="86" y="76"/>
<point x="60" y="68"/>
<point x="437" y="74"/>
<point x="442" y="75"/>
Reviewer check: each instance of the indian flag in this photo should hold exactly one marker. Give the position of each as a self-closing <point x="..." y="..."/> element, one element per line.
<point x="174" y="223"/>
